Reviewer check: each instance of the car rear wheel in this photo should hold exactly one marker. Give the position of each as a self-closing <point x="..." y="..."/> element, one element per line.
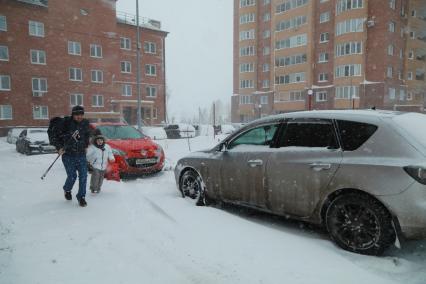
<point x="191" y="186"/>
<point x="360" y="224"/>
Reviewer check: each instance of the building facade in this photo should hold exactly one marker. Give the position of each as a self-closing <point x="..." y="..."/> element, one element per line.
<point x="55" y="54"/>
<point x="292" y="55"/>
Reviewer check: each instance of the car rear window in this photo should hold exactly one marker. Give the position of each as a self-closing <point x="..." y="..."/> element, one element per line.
<point x="354" y="134"/>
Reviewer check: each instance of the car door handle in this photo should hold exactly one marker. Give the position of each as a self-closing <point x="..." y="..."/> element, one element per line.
<point x="320" y="166"/>
<point x="255" y="163"/>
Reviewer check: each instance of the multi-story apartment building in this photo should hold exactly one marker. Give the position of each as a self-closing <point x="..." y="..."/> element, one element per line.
<point x="292" y="55"/>
<point x="55" y="54"/>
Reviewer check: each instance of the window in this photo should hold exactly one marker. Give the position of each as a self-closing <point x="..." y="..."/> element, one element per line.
<point x="325" y="17"/>
<point x="392" y="93"/>
<point x="125" y="43"/>
<point x="38" y="56"/>
<point x="266" y="2"/>
<point x="246" y="67"/>
<point x="389" y="72"/>
<point x="413" y="35"/>
<point x="96" y="50"/>
<point x="265" y="67"/>
<point x="410" y="76"/>
<point x="346" y="5"/>
<point x="390" y="49"/>
<point x="323" y="1"/>
<point x="247" y="51"/>
<point x="4" y="53"/>
<point x="409" y="96"/>
<point x="126" y="90"/>
<point x="150" y="70"/>
<point x="76" y="100"/>
<point x="151" y="91"/>
<point x="267" y="34"/>
<point x="399" y="75"/>
<point x="291" y="23"/>
<point x="309" y="134"/>
<point x="266" y="17"/>
<point x="3" y="23"/>
<point x="321" y="96"/>
<point x="411" y="54"/>
<point x="392" y="4"/>
<point x="5" y="112"/>
<point x="266" y="50"/>
<point x="323" y="77"/>
<point x="265" y="84"/>
<point x="261" y="136"/>
<point x="74" y="48"/>
<point x="246" y="3"/>
<point x="293" y="96"/>
<point x="246" y="84"/>
<point x="247" y="18"/>
<point x="324" y="37"/>
<point x="39" y="86"/>
<point x="392" y="27"/>
<point x="413" y="13"/>
<point x="150" y="47"/>
<point x="97" y="76"/>
<point x="36" y="28"/>
<point x="323" y="57"/>
<point x="126" y="67"/>
<point x="348" y="48"/>
<point x="354" y="134"/>
<point x="347" y="92"/>
<point x="245" y="100"/>
<point x="420" y="74"/>
<point x="348" y="70"/>
<point x="350" y="26"/>
<point x="289" y="5"/>
<point x="248" y="34"/>
<point x="401" y="95"/>
<point x="290" y="78"/>
<point x="4" y="83"/>
<point x="290" y="60"/>
<point x="97" y="101"/>
<point x="75" y="74"/>
<point x="294" y="41"/>
<point x="40" y="112"/>
<point x="264" y="100"/>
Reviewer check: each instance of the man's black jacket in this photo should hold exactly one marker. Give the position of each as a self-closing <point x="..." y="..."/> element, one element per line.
<point x="74" y="136"/>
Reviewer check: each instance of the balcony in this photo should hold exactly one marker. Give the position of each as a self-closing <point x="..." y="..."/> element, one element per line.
<point x="130" y="19"/>
<point x="42" y="3"/>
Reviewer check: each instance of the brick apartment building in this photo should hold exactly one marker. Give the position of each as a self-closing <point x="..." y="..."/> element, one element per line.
<point x="292" y="55"/>
<point x="55" y="54"/>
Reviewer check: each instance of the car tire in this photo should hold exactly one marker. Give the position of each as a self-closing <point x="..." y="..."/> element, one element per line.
<point x="360" y="224"/>
<point x="192" y="186"/>
<point x="27" y="150"/>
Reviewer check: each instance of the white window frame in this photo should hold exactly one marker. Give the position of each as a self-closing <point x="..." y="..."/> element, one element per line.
<point x="151" y="70"/>
<point x="73" y="72"/>
<point x="392" y="4"/>
<point x="3" y="88"/>
<point x="392" y="93"/>
<point x="126" y="90"/>
<point x="151" y="91"/>
<point x="389" y="72"/>
<point x="76" y="99"/>
<point x="246" y="99"/>
<point x="391" y="49"/>
<point x="265" y="84"/>
<point x="2" y="112"/>
<point x="324" y="17"/>
<point x="150" y="47"/>
<point x="126" y="67"/>
<point x="392" y="26"/>
<point x="264" y="100"/>
<point x="321" y="96"/>
<point x="3" y="19"/>
<point x="38" y="57"/>
<point x="96" y="50"/>
<point x="410" y="75"/>
<point x="322" y="77"/>
<point x="40" y="116"/>
<point x="74" y="48"/>
<point x="323" y="57"/>
<point x="36" y="28"/>
<point x="97" y="76"/>
<point x="6" y="48"/>
<point x="324" y="37"/>
<point x="96" y="99"/>
<point x="40" y="91"/>
<point x="125" y="43"/>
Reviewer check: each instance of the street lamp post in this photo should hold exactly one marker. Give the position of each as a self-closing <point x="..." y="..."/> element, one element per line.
<point x="138" y="68"/>
<point x="260" y="110"/>
<point x="310" y="93"/>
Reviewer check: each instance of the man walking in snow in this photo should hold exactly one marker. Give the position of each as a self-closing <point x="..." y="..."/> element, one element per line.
<point x="72" y="144"/>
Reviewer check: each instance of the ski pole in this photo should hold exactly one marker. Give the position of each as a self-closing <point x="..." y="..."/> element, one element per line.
<point x="48" y="169"/>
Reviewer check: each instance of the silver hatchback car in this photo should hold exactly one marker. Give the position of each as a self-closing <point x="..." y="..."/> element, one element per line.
<point x="361" y="174"/>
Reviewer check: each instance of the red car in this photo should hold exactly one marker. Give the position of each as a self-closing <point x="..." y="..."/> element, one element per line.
<point x="135" y="154"/>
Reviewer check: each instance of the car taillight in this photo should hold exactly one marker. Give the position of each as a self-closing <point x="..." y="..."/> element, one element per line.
<point x="417" y="173"/>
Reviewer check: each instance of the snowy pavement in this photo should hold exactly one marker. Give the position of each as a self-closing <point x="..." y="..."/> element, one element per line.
<point x="142" y="231"/>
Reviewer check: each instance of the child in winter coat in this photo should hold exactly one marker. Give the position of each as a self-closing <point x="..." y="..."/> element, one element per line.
<point x="98" y="155"/>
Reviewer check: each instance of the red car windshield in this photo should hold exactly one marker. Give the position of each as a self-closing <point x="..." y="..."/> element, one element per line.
<point x="120" y="132"/>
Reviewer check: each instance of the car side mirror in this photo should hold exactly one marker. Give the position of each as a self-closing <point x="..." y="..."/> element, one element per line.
<point x="222" y="147"/>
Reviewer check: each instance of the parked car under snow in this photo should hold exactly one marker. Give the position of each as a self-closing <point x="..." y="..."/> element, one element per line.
<point x="360" y="174"/>
<point x="34" y="140"/>
<point x="155" y="133"/>
<point x="13" y="134"/>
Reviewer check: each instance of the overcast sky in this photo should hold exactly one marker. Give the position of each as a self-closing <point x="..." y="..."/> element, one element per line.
<point x="198" y="49"/>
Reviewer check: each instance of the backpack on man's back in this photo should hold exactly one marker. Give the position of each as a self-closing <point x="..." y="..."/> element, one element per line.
<point x="56" y="125"/>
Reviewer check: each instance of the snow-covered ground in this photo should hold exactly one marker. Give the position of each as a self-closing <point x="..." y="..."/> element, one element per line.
<point x="142" y="231"/>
